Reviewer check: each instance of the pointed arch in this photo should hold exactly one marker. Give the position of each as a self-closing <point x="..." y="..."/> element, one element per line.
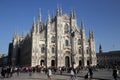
<point x="80" y="50"/>
<point x="42" y="49"/>
<point x="67" y="61"/>
<point x="53" y="49"/>
<point x="66" y="42"/>
<point x="66" y="29"/>
<point x="79" y="41"/>
<point x="53" y="63"/>
<point x="53" y="39"/>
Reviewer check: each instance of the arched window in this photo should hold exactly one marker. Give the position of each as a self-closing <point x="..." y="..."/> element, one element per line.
<point x="66" y="42"/>
<point x="66" y="29"/>
<point x="87" y="50"/>
<point x="53" y="50"/>
<point x="79" y="42"/>
<point x="42" y="49"/>
<point x="53" y="39"/>
<point x="80" y="51"/>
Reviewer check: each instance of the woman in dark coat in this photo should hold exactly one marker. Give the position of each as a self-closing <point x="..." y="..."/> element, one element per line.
<point x="91" y="72"/>
<point x="115" y="72"/>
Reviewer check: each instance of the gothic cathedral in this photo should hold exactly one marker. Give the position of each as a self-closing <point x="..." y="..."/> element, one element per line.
<point x="58" y="42"/>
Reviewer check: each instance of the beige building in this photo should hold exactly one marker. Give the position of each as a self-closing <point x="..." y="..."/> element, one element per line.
<point x="58" y="42"/>
<point x="108" y="59"/>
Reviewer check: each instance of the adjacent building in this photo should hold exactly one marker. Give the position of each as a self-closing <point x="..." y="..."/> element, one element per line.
<point x="108" y="59"/>
<point x="3" y="59"/>
<point x="58" y="42"/>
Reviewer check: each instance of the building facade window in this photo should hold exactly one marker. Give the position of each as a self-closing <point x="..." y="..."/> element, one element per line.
<point x="42" y="50"/>
<point x="80" y="51"/>
<point x="87" y="51"/>
<point x="79" y="42"/>
<point x="53" y="50"/>
<point x="53" y="39"/>
<point x="66" y="42"/>
<point x="66" y="29"/>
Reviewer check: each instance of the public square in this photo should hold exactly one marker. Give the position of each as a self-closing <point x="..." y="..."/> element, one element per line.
<point x="98" y="75"/>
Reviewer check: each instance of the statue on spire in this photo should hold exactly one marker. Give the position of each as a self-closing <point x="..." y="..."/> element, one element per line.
<point x="60" y="9"/>
<point x="57" y="10"/>
<point x="15" y="34"/>
<point x="91" y="36"/>
<point x="74" y="14"/>
<point x="48" y="18"/>
<point x="82" y="24"/>
<point x="34" y="25"/>
<point x="39" y="16"/>
<point x="71" y="13"/>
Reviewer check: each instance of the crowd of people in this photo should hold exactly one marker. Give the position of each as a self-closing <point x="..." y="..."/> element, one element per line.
<point x="8" y="71"/>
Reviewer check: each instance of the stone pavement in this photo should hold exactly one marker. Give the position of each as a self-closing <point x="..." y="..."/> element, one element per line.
<point x="98" y="75"/>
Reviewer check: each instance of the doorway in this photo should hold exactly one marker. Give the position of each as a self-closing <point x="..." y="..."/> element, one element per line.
<point x="42" y="62"/>
<point x="88" y="62"/>
<point x="80" y="63"/>
<point x="67" y="61"/>
<point x="53" y="63"/>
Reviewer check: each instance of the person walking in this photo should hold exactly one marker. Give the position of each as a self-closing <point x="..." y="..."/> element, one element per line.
<point x="115" y="72"/>
<point x="90" y="72"/>
<point x="49" y="73"/>
<point x="72" y="74"/>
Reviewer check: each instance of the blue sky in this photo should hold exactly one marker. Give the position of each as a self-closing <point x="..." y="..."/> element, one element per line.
<point x="103" y="16"/>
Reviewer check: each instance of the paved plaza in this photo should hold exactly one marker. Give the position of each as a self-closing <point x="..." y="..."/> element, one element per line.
<point x="98" y="75"/>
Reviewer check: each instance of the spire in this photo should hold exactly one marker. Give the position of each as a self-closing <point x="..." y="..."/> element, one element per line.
<point x="57" y="10"/>
<point x="74" y="14"/>
<point x="71" y="13"/>
<point x="38" y="27"/>
<point x="39" y="20"/>
<point x="34" y="25"/>
<point x="52" y="15"/>
<point x="39" y="16"/>
<point x="60" y="9"/>
<point x="100" y="49"/>
<point x="82" y="30"/>
<point x="91" y="34"/>
<point x="82" y="24"/>
<point x="15" y="34"/>
<point x="34" y="22"/>
<point x="48" y="18"/>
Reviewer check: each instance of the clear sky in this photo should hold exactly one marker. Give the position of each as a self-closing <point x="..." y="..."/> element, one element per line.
<point x="103" y="16"/>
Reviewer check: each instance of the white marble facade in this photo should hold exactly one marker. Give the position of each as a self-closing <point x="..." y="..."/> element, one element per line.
<point x="58" y="42"/>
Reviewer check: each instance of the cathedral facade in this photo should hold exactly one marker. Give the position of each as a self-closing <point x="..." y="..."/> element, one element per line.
<point x="58" y="42"/>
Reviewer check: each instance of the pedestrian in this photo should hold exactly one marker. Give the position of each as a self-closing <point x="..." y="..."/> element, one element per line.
<point x="60" y="70"/>
<point x="3" y="72"/>
<point x="90" y="72"/>
<point x="18" y="71"/>
<point x="72" y="74"/>
<point x="30" y="71"/>
<point x="49" y="73"/>
<point x="115" y="71"/>
<point x="11" y="71"/>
